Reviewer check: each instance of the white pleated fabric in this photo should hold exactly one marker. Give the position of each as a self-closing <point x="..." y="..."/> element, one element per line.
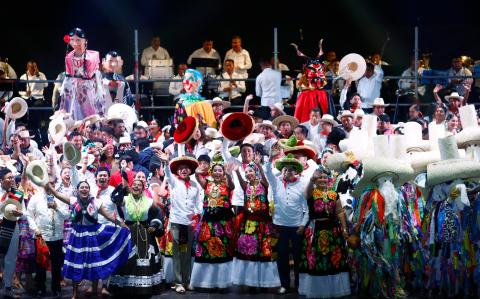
<point x="327" y="286"/>
<point x="255" y="274"/>
<point x="205" y="275"/>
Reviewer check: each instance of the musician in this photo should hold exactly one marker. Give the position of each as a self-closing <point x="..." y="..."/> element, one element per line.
<point x="34" y="91"/>
<point x="116" y="88"/>
<point x="231" y="90"/>
<point x="240" y="56"/>
<point x="462" y="86"/>
<point x="267" y="84"/>
<point x="408" y="85"/>
<point x="206" y="51"/>
<point x="6" y="72"/>
<point x="369" y="86"/>
<point x="9" y="252"/>
<point x="154" y="52"/>
<point x="176" y="88"/>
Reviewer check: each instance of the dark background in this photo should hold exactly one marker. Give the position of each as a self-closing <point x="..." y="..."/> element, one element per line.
<point x="35" y="30"/>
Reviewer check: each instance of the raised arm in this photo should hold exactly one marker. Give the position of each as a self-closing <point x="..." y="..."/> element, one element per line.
<point x="110" y="218"/>
<point x="63" y="198"/>
<point x="247" y="103"/>
<point x="242" y="182"/>
<point x="229" y="168"/>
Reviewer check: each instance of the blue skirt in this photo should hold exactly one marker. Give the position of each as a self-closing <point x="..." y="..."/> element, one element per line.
<point x="96" y="251"/>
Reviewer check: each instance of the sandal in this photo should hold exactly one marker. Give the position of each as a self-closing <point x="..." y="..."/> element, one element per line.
<point x="180" y="289"/>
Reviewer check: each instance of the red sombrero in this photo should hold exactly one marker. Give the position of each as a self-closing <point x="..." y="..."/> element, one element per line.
<point x="192" y="163"/>
<point x="236" y="126"/>
<point x="185" y="130"/>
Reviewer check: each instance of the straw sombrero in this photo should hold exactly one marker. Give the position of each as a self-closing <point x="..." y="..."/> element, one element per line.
<point x="236" y="126"/>
<point x="413" y="133"/>
<point x="185" y="130"/>
<point x="289" y="160"/>
<point x="451" y="166"/>
<point x="470" y="133"/>
<point x="175" y="163"/>
<point x="285" y="118"/>
<point x="16" y="108"/>
<point x="57" y="130"/>
<point x="217" y="101"/>
<point x="71" y="154"/>
<point x="10" y="205"/>
<point x="37" y="172"/>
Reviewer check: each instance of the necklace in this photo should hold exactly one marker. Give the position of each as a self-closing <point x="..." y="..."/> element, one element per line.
<point x="253" y="195"/>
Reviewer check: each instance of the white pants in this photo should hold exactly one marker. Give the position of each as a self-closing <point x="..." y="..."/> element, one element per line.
<point x="10" y="259"/>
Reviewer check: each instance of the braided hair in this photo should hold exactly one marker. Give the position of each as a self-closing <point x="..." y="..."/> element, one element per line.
<point x="80" y="33"/>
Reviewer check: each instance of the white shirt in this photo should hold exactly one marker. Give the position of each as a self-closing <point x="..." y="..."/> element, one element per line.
<point x="46" y="221"/>
<point x="201" y="53"/>
<point x="236" y="91"/>
<point x="107" y="203"/>
<point x="151" y="53"/>
<point x="175" y="88"/>
<point x="185" y="202"/>
<point x="35" y="88"/>
<point x="369" y="88"/>
<point x="241" y="60"/>
<point x="267" y="86"/>
<point x="291" y="207"/>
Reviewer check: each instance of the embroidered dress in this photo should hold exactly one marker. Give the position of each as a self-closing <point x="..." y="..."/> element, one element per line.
<point x="214" y="249"/>
<point x="142" y="274"/>
<point x="194" y="105"/>
<point x="26" y="258"/>
<point x="323" y="263"/>
<point x="448" y="244"/>
<point x="94" y="251"/>
<point x="255" y="250"/>
<point x="82" y="93"/>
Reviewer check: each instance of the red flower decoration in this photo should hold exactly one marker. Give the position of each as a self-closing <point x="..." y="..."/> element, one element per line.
<point x="66" y="38"/>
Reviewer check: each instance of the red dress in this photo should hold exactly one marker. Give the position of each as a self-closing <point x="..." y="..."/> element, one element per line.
<point x="309" y="99"/>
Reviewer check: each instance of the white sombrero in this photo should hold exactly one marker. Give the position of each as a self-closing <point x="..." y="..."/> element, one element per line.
<point x="92" y="119"/>
<point x="454" y="95"/>
<point x="90" y="157"/>
<point x="57" y="130"/>
<point x="266" y="123"/>
<point x="451" y="166"/>
<point x="344" y="113"/>
<point x="413" y="133"/>
<point x="219" y="101"/>
<point x="254" y="138"/>
<point x="379" y="102"/>
<point x="327" y="118"/>
<point x="470" y="133"/>
<point x="352" y="66"/>
<point x="37" y="172"/>
<point x="8" y="206"/>
<point x="285" y="118"/>
<point x="16" y="108"/>
<point x="387" y="161"/>
<point x="71" y="154"/>
<point x="212" y="133"/>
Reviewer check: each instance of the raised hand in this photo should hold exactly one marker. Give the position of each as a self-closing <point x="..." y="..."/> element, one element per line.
<point x="163" y="156"/>
<point x="437" y="88"/>
<point x="249" y="98"/>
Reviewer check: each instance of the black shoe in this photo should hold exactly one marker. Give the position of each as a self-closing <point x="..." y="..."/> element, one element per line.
<point x="57" y="294"/>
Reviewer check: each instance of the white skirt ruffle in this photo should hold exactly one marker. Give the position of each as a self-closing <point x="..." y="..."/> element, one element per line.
<point x="168" y="273"/>
<point x="255" y="274"/>
<point x="327" y="286"/>
<point x="215" y="275"/>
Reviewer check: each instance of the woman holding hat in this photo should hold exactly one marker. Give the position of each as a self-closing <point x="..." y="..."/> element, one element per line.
<point x="142" y="275"/>
<point x="323" y="258"/>
<point x="255" y="249"/>
<point x="214" y="242"/>
<point x="94" y="251"/>
<point x="81" y="91"/>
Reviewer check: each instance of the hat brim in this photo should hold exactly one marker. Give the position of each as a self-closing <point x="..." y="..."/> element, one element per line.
<point x="285" y="118"/>
<point x="55" y="134"/>
<point x="376" y="167"/>
<point x="236" y="126"/>
<point x="451" y="169"/>
<point x="420" y="160"/>
<point x="469" y="135"/>
<point x="281" y="163"/>
<point x="185" y="130"/>
<point x="71" y="154"/>
<point x="225" y="104"/>
<point x="192" y="164"/>
<point x="15" y="103"/>
<point x="257" y="126"/>
<point x="349" y="114"/>
<point x="330" y="121"/>
<point x="37" y="172"/>
<point x="460" y="98"/>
